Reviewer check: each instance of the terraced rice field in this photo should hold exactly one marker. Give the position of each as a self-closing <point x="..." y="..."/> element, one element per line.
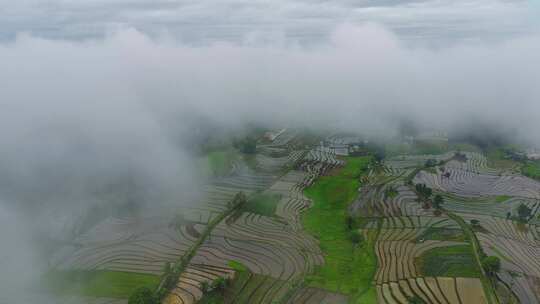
<point x="145" y="244"/>
<point x="490" y="205"/>
<point x="432" y="290"/>
<point x="296" y="254"/>
<point x="474" y="179"/>
<point x="490" y="196"/>
<point x="274" y="249"/>
<point x="519" y="262"/>
<point x="132" y="245"/>
<point x="398" y="277"/>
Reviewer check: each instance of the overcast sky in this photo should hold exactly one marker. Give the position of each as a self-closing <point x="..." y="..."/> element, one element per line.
<point x="270" y="21"/>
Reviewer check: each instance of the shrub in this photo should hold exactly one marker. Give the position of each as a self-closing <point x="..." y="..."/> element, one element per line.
<point x="205" y="286"/>
<point x="524" y="212"/>
<point x="356" y="237"/>
<point x="491" y="264"/>
<point x="430" y="163"/>
<point x="423" y="191"/>
<point x="142" y="295"/>
<point x="247" y="145"/>
<point x="438" y="200"/>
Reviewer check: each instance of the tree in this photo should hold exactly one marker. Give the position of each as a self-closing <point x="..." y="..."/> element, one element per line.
<point x="247" y="145"/>
<point x="438" y="200"/>
<point x="430" y="163"/>
<point x="220" y="284"/>
<point x="427" y="192"/>
<point x="205" y="286"/>
<point x="350" y="222"/>
<point x="356" y="237"/>
<point x="379" y="155"/>
<point x="491" y="264"/>
<point x="423" y="191"/>
<point x="524" y="212"/>
<point x="142" y="295"/>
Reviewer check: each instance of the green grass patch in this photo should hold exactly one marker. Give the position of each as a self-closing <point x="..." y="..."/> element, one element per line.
<point x="531" y="169"/>
<point x="442" y="234"/>
<point x="451" y="261"/>
<point x="98" y="283"/>
<point x="237" y="266"/>
<point x="263" y="204"/>
<point x="499" y="158"/>
<point x="348" y="268"/>
<point x="502" y="198"/>
<point x="219" y="163"/>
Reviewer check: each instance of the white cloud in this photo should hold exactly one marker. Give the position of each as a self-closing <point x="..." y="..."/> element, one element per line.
<point x="77" y="116"/>
<point x="435" y="22"/>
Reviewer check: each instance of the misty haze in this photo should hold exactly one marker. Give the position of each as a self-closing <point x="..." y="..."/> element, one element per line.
<point x="286" y="151"/>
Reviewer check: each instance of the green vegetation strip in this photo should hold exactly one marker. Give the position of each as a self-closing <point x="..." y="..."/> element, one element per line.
<point x="348" y="268"/>
<point x="98" y="283"/>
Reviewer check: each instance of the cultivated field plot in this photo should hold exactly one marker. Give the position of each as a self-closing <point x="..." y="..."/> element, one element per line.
<point x="414" y="161"/>
<point x="475" y="162"/>
<point x="322" y="154"/>
<point x="263" y="244"/>
<point x="492" y="206"/>
<point x="188" y="287"/>
<point x="244" y="178"/>
<point x="490" y="196"/>
<point x="309" y="295"/>
<point x="473" y="178"/>
<point x="293" y="202"/>
<point x="432" y="290"/>
<point x="401" y="242"/>
<point x="471" y="184"/>
<point x="373" y="201"/>
<point x="145" y="244"/>
<point x="131" y="245"/>
<point x="519" y="261"/>
<point x="87" y="300"/>
<point x="48" y="299"/>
